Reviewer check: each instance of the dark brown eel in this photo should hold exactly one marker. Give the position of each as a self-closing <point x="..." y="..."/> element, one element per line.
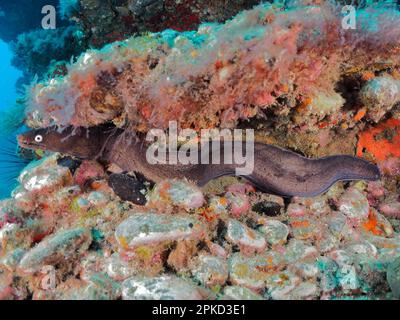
<point x="276" y="170"/>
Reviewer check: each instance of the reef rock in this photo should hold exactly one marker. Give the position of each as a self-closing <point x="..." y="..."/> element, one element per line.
<point x="379" y="95"/>
<point x="211" y="271"/>
<point x="148" y="228"/>
<point x="64" y="245"/>
<point x="248" y="240"/>
<point x="221" y="74"/>
<point x="159" y="288"/>
<point x="393" y="276"/>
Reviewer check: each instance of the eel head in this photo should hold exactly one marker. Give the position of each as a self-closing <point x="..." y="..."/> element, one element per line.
<point x="84" y="143"/>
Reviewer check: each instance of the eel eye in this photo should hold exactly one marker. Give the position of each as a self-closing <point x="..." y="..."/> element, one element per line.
<point x="38" y="138"/>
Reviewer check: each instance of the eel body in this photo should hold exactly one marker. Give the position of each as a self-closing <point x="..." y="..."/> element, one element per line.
<point x="276" y="170"/>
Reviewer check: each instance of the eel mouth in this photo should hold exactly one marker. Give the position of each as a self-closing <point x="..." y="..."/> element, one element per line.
<point x="23" y="142"/>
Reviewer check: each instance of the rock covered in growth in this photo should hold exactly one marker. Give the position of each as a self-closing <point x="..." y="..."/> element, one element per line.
<point x="211" y="271"/>
<point x="348" y="279"/>
<point x="304" y="227"/>
<point x="379" y="95"/>
<point x="160" y="288"/>
<point x="12" y="259"/>
<point x="180" y="257"/>
<point x="275" y="231"/>
<point x="298" y="250"/>
<point x="63" y="245"/>
<point x="222" y="73"/>
<point x="88" y="170"/>
<point x="119" y="269"/>
<point x="44" y="176"/>
<point x="390" y="208"/>
<point x="327" y="241"/>
<point x="327" y="271"/>
<point x="6" y="280"/>
<point x="97" y="288"/>
<point x="288" y="286"/>
<point x="381" y="144"/>
<point x="393" y="277"/>
<point x="252" y="272"/>
<point x="281" y="284"/>
<point x="306" y="270"/>
<point x="113" y="249"/>
<point x="149" y="228"/>
<point x="305" y="291"/>
<point x="240" y="293"/>
<point x="218" y="206"/>
<point x="239" y="203"/>
<point x="248" y="240"/>
<point x="354" y="205"/>
<point x="9" y="213"/>
<point x="323" y="105"/>
<point x="176" y="193"/>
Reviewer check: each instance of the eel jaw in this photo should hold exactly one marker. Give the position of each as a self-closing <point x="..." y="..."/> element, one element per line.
<point x="25" y="143"/>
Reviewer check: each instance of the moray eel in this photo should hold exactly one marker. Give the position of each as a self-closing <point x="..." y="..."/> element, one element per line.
<point x="276" y="170"/>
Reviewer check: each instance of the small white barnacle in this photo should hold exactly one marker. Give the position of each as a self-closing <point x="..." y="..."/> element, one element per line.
<point x="39" y="138"/>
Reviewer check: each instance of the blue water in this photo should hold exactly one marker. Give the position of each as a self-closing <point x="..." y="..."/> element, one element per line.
<point x="10" y="165"/>
<point x="8" y="77"/>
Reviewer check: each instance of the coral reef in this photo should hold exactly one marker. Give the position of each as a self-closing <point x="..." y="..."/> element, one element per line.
<point x="187" y="243"/>
<point x="303" y="77"/>
<point x="74" y="229"/>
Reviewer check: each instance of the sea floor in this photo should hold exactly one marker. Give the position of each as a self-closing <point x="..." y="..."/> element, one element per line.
<point x="65" y="235"/>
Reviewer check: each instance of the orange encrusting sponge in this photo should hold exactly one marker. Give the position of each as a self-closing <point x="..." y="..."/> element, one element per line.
<point x="382" y="141"/>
